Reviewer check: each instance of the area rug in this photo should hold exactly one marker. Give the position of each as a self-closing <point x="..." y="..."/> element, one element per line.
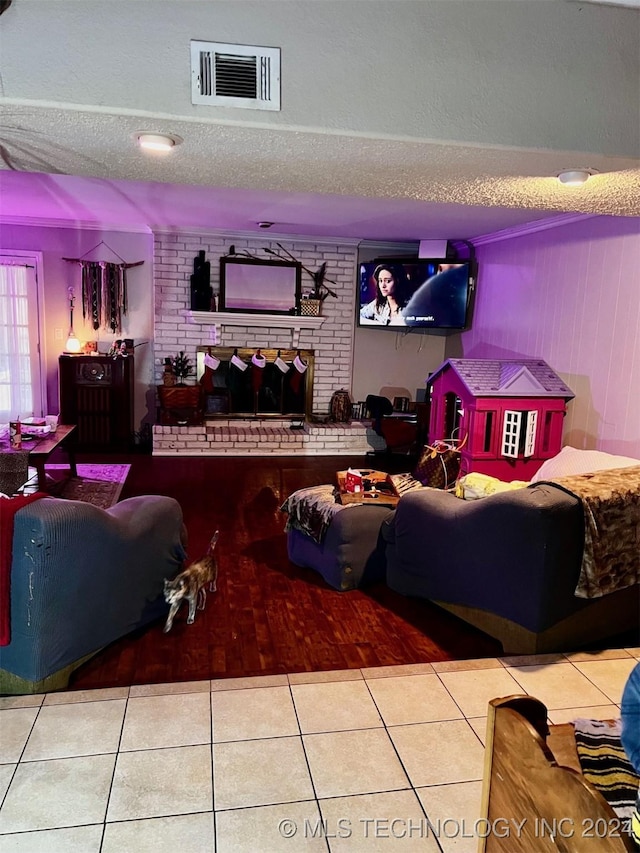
<point x="99" y="485"/>
<point x="604" y="763"/>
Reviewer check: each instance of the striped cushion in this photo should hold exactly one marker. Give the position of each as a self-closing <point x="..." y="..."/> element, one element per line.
<point x="635" y="821"/>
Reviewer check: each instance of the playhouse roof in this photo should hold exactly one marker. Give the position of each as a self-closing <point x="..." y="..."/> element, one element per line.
<point x="507" y="377"/>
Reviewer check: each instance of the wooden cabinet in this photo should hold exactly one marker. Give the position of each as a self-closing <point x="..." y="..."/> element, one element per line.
<point x="96" y="394"/>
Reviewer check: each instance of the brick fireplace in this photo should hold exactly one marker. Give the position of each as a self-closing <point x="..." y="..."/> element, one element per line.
<point x="272" y="384"/>
<point x="327" y="339"/>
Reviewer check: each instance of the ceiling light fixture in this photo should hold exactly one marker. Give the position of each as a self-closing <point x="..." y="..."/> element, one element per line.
<point x="157" y="141"/>
<point x="574" y="177"/>
<point x="264" y="224"/>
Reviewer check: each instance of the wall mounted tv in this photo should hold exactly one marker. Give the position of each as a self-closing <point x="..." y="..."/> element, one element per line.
<point x="425" y="293"/>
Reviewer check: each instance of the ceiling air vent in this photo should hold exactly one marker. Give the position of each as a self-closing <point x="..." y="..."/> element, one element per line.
<point x="235" y="75"/>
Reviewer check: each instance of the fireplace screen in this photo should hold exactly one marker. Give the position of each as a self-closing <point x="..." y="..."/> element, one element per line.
<point x="243" y="382"/>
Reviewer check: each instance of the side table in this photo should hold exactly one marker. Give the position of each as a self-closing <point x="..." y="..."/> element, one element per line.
<point x="181" y="405"/>
<point x="64" y="437"/>
<point x="37" y="453"/>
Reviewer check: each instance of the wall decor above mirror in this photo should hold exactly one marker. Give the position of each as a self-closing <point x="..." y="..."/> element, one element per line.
<point x="254" y="286"/>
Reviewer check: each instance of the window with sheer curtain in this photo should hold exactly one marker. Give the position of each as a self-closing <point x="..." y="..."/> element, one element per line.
<point x="20" y="392"/>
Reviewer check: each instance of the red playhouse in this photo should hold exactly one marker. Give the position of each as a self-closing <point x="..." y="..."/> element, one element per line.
<point x="510" y="411"/>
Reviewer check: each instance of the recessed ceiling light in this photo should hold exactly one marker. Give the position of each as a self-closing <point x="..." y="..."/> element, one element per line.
<point x="157" y="141"/>
<point x="264" y="224"/>
<point x="574" y="177"/>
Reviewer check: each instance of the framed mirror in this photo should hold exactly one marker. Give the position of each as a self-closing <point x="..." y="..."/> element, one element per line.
<point x="252" y="286"/>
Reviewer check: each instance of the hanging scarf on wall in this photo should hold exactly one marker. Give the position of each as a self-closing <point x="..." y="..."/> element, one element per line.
<point x="104" y="294"/>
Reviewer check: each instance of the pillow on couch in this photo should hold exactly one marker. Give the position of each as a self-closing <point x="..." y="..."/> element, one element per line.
<point x="571" y="461"/>
<point x="473" y="486"/>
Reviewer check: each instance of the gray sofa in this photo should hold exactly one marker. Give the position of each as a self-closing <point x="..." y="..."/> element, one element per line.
<point x="81" y="577"/>
<point x="508" y="564"/>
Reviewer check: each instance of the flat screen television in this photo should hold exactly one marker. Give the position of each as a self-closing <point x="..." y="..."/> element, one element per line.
<point x="425" y="293"/>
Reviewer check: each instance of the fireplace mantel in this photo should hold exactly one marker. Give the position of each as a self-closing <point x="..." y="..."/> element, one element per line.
<point x="269" y="321"/>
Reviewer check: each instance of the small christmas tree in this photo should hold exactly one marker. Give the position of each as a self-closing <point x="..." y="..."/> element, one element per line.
<point x="182" y="368"/>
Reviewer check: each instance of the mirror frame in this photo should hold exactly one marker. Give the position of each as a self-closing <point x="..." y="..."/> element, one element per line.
<point x="283" y="289"/>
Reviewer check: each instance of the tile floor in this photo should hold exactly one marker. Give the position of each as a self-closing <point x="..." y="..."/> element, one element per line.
<point x="333" y="761"/>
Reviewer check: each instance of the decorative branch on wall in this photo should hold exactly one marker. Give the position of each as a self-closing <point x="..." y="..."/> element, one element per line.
<point x="320" y="288"/>
<point x="104" y="290"/>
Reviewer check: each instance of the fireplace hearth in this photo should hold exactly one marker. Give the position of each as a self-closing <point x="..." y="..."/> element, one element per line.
<point x="248" y="383"/>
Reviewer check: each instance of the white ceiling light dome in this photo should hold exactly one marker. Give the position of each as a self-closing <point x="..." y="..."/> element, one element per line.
<point x="162" y="142"/>
<point x="575" y="177"/>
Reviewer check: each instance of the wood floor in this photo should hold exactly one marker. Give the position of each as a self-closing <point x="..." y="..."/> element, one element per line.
<point x="268" y="615"/>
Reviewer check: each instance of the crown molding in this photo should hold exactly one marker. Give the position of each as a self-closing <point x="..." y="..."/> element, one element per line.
<point x="271" y="236"/>
<point x="531" y="228"/>
<point x="76" y="224"/>
<point x="264" y="235"/>
<point x="267" y="236"/>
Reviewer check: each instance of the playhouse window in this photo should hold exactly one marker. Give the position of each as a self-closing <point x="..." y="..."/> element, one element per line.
<point x="530" y="435"/>
<point x="546" y="435"/>
<point x="519" y="433"/>
<point x="488" y="431"/>
<point x="452" y="414"/>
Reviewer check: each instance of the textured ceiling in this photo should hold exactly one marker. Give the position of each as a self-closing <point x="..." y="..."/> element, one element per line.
<point x="363" y="145"/>
<point x="83" y="166"/>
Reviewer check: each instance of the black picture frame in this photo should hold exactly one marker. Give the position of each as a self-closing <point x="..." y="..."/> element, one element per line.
<point x="255" y="286"/>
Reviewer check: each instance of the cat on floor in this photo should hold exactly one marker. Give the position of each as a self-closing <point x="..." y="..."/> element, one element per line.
<point x="190" y="584"/>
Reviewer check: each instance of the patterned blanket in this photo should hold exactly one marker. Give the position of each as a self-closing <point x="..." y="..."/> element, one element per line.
<point x="611" y="505"/>
<point x="605" y="765"/>
<point x="311" y="510"/>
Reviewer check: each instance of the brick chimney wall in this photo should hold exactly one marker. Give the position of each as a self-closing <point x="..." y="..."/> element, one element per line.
<point x="175" y="330"/>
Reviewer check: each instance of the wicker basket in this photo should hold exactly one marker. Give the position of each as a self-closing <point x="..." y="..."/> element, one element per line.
<point x="310" y="307"/>
<point x="14" y="470"/>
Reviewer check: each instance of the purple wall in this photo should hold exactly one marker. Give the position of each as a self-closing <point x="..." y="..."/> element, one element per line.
<point x="570" y="295"/>
<point x="57" y="243"/>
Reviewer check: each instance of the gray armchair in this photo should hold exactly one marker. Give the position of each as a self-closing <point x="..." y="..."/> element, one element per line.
<point x="81" y="577"/>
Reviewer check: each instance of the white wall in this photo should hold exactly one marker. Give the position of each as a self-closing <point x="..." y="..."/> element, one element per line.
<point x="392" y="363"/>
<point x="387" y="362"/>
<point x="529" y="73"/>
<point x="569" y="295"/>
<point x="58" y="243"/>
